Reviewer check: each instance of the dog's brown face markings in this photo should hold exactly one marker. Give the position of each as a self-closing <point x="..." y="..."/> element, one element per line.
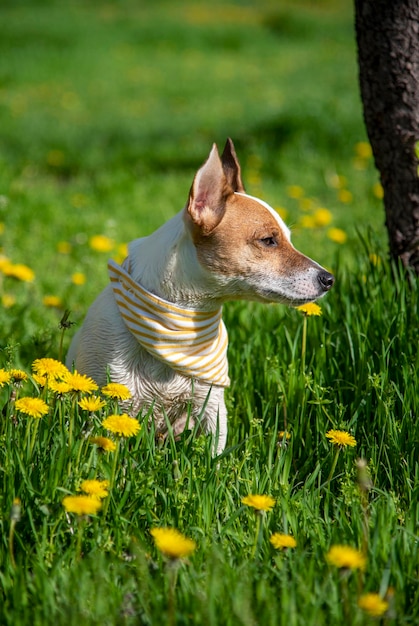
<point x="245" y="241"/>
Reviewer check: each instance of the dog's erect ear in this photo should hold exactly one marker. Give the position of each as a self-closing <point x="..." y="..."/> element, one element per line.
<point x="208" y="194"/>
<point x="231" y="167"/>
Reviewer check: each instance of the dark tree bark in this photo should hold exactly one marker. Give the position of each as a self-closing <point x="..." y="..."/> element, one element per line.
<point x="387" y="34"/>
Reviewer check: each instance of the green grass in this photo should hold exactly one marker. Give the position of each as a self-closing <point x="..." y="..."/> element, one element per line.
<point x="106" y="112"/>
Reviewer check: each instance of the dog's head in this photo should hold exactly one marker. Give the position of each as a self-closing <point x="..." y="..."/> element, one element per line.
<point x="243" y="242"/>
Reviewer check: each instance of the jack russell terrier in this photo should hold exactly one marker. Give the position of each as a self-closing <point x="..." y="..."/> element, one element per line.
<point x="157" y="326"/>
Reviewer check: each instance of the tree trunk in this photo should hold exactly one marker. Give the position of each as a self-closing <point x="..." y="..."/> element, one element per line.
<point x="387" y="34"/>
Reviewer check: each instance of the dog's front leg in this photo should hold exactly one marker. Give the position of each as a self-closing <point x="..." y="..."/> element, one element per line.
<point x="214" y="419"/>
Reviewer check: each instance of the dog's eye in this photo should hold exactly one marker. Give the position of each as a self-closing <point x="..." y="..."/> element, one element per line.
<point x="269" y="242"/>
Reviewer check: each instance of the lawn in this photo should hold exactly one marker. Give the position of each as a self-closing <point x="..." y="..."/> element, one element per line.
<point x="106" y="112"/>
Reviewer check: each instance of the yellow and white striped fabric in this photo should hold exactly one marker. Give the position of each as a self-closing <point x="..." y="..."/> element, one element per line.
<point x="193" y="343"/>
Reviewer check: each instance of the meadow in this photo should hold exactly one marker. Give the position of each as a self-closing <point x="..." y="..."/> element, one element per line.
<point x="310" y="516"/>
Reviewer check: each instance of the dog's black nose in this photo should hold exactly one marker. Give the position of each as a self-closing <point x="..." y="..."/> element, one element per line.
<point x="326" y="280"/>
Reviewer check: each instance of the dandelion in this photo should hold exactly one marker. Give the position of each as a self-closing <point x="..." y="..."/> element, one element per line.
<point x="345" y="196"/>
<point x="18" y="377"/>
<point x="341" y="438"/>
<point x="295" y="191"/>
<point x="345" y="557"/>
<point x="310" y="309"/>
<point x="260" y="503"/>
<point x="95" y="488"/>
<point x="101" y="243"/>
<point x="373" y="604"/>
<point x="82" y="505"/>
<point x="284" y="434"/>
<point x="378" y="191"/>
<point x="80" y="383"/>
<point x="307" y="221"/>
<point x="78" y="278"/>
<point x="60" y="387"/>
<point x="91" y="404"/>
<point x="122" y="425"/>
<point x="282" y="541"/>
<point x="52" y="302"/>
<point x="64" y="247"/>
<point x="323" y="217"/>
<point x="49" y="368"/>
<point x="172" y="543"/>
<point x="363" y="150"/>
<point x="34" y="407"/>
<point x="106" y="444"/>
<point x="116" y="391"/>
<point x="5" y="377"/>
<point x="19" y="271"/>
<point x="8" y="300"/>
<point x="337" y="235"/>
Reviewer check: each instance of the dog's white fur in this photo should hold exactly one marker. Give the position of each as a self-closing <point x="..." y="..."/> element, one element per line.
<point x="224" y="245"/>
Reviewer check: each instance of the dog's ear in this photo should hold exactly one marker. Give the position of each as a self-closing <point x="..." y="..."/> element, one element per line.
<point x="209" y="192"/>
<point x="231" y="167"/>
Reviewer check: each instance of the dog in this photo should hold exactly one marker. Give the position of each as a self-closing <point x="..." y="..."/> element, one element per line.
<point x="157" y="327"/>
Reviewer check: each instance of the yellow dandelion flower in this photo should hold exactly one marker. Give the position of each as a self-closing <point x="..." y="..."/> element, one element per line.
<point x="282" y="212"/>
<point x="107" y="445"/>
<point x="284" y="434"/>
<point x="337" y="235"/>
<point x="345" y="196"/>
<point x="95" y="488"/>
<point x="309" y="309"/>
<point x="363" y="150"/>
<point x="122" y="425"/>
<point x="52" y="301"/>
<point x="282" y="541"/>
<point x="82" y="505"/>
<point x="20" y="272"/>
<point x="373" y="604"/>
<point x="378" y="191"/>
<point x="5" y="377"/>
<point x="322" y="217"/>
<point x="80" y="382"/>
<point x="101" y="243"/>
<point x="295" y="191"/>
<point x="259" y="502"/>
<point x="345" y="557"/>
<point x="64" y="247"/>
<point x="34" y="407"/>
<point x="18" y="376"/>
<point x="172" y="543"/>
<point x="306" y="204"/>
<point x="116" y="391"/>
<point x="91" y="403"/>
<point x="78" y="278"/>
<point x="59" y="387"/>
<point x="8" y="300"/>
<point x="307" y="221"/>
<point x="341" y="438"/>
<point x="49" y="368"/>
<point x="40" y="380"/>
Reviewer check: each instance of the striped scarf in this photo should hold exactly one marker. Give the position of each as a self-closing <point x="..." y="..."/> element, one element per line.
<point x="194" y="343"/>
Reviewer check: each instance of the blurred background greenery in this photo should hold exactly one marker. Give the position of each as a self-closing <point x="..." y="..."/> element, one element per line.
<point x="108" y="108"/>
